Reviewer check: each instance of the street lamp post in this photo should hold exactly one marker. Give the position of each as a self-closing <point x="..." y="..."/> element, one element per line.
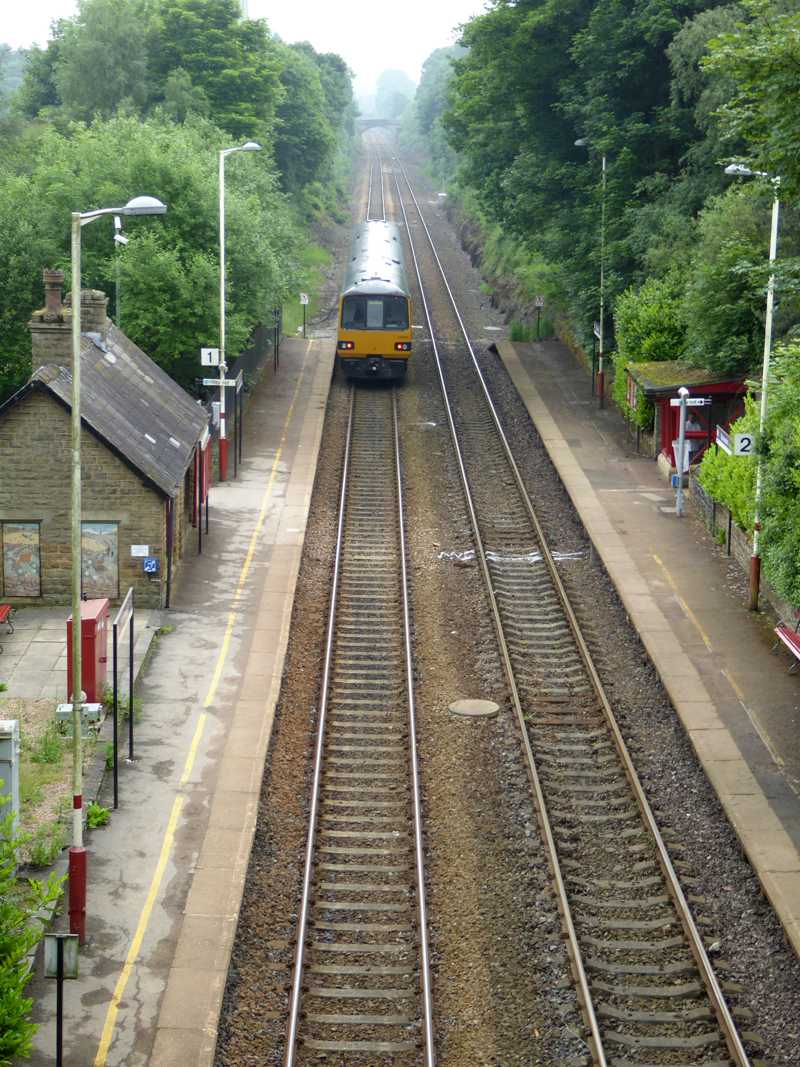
<point x="755" y="559"/>
<point x="140" y="205"/>
<point x="250" y="146"/>
<point x="119" y="239"/>
<point x="583" y="143"/>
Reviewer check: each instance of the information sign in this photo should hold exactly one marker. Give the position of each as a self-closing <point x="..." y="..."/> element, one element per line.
<point x="691" y="402"/>
<point x="304" y="298"/>
<point x="150" y="565"/>
<point x="723" y="439"/>
<point x="538" y="301"/>
<point x="228" y="382"/>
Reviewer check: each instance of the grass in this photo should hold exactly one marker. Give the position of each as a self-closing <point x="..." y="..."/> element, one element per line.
<point x="527" y="331"/>
<point x="312" y="260"/>
<point x="45" y="775"/>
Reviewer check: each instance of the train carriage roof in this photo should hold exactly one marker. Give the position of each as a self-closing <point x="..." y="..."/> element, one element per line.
<point x="375" y="264"/>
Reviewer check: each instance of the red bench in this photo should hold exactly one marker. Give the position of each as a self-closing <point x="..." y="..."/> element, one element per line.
<point x="5" y="618"/>
<point x="791" y="638"/>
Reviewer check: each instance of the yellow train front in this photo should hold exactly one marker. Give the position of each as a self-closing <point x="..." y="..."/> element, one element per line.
<point x="375" y="308"/>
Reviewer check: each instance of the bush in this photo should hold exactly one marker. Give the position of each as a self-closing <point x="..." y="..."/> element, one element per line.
<point x="21" y="928"/>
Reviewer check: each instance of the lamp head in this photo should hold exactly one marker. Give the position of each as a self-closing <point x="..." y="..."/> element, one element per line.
<point x="581" y="143"/>
<point x="144" y="205"/>
<point x="683" y="391"/>
<point x="738" y="168"/>
<point x="251" y="146"/>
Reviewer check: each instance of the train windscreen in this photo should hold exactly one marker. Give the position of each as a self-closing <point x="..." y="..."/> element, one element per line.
<point x="374" y="313"/>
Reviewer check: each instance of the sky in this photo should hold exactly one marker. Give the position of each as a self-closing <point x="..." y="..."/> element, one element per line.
<point x="371" y="37"/>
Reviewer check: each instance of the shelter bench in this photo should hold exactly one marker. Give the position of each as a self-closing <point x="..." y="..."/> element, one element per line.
<point x="791" y="638"/>
<point x="5" y="619"/>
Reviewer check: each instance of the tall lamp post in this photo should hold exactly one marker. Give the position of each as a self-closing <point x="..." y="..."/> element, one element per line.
<point x="755" y="559"/>
<point x="583" y="143"/>
<point x="140" y="205"/>
<point x="250" y="146"/>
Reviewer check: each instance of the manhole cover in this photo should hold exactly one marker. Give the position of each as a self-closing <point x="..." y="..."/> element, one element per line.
<point x="475" y="709"/>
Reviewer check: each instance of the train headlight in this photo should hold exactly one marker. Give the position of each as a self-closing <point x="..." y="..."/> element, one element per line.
<point x="347" y="346"/>
<point x="402" y="346"/>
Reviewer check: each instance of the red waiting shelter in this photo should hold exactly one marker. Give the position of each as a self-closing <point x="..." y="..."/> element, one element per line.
<point x="660" y="382"/>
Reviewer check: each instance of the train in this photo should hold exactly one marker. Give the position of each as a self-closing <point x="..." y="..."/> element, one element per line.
<point x="374" y="336"/>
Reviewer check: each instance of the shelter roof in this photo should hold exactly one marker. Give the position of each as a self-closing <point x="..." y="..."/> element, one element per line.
<point x="663" y="378"/>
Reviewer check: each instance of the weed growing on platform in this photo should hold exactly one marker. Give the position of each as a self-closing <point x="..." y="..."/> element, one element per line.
<point x="96" y="815"/>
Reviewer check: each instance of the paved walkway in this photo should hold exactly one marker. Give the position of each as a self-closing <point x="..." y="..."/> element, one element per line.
<point x="736" y="700"/>
<point x="34" y="659"/>
<point x="166" y="875"/>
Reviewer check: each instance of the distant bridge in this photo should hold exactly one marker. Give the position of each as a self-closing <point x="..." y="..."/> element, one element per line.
<point x="362" y="125"/>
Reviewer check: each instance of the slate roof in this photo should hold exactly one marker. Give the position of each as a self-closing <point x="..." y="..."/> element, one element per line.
<point x="131" y="405"/>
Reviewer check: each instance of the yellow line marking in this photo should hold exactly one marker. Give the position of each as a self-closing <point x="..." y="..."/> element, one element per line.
<point x="166" y="847"/>
<point x="144" y="919"/>
<point x="254" y="540"/>
<point x="684" y="605"/>
<point x="752" y="716"/>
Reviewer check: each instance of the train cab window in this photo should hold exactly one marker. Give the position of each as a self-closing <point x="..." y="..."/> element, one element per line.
<point x="396" y="309"/>
<point x="353" y="313"/>
<point x="374" y="313"/>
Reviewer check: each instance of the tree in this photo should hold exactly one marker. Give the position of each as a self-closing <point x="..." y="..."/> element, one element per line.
<point x="182" y="99"/>
<point x="304" y="140"/>
<point x="39" y="92"/>
<point x="724" y="301"/>
<point x="102" y="61"/>
<point x="235" y="63"/>
<point x="170" y="267"/>
<point x="762" y="55"/>
<point x="394" y="93"/>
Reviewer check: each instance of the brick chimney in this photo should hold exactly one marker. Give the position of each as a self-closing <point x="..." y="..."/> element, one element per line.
<point x="51" y="328"/>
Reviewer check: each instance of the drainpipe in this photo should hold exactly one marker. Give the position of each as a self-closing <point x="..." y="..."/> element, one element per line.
<point x="170" y="523"/>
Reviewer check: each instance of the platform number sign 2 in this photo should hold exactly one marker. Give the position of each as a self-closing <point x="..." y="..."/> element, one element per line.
<point x="743" y="444"/>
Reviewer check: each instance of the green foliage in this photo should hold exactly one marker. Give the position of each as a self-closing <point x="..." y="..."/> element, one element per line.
<point x="43" y="846"/>
<point x="102" y="60"/>
<point x="724" y="300"/>
<point x="731" y="479"/>
<point x="49" y="748"/>
<point x="305" y="139"/>
<point x="96" y="815"/>
<point x="761" y="56"/>
<point x="235" y="62"/>
<point x="22" y="904"/>
<point x="395" y="92"/>
<point x="169" y="270"/>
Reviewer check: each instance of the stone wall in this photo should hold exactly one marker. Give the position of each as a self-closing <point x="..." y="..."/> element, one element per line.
<point x="35" y="443"/>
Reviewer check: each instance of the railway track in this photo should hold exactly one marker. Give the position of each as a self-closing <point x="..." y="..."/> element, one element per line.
<point x="647" y="988"/>
<point x="360" y="984"/>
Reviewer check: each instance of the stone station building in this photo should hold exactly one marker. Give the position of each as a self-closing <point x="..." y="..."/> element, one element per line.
<point x="140" y="437"/>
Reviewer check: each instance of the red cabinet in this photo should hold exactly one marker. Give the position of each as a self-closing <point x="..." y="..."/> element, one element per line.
<point x="94" y="649"/>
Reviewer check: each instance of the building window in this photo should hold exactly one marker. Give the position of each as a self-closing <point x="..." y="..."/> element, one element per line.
<point x="22" y="564"/>
<point x="100" y="560"/>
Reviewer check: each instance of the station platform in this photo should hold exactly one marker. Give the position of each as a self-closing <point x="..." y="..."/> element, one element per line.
<point x="165" y="876"/>
<point x="736" y="700"/>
